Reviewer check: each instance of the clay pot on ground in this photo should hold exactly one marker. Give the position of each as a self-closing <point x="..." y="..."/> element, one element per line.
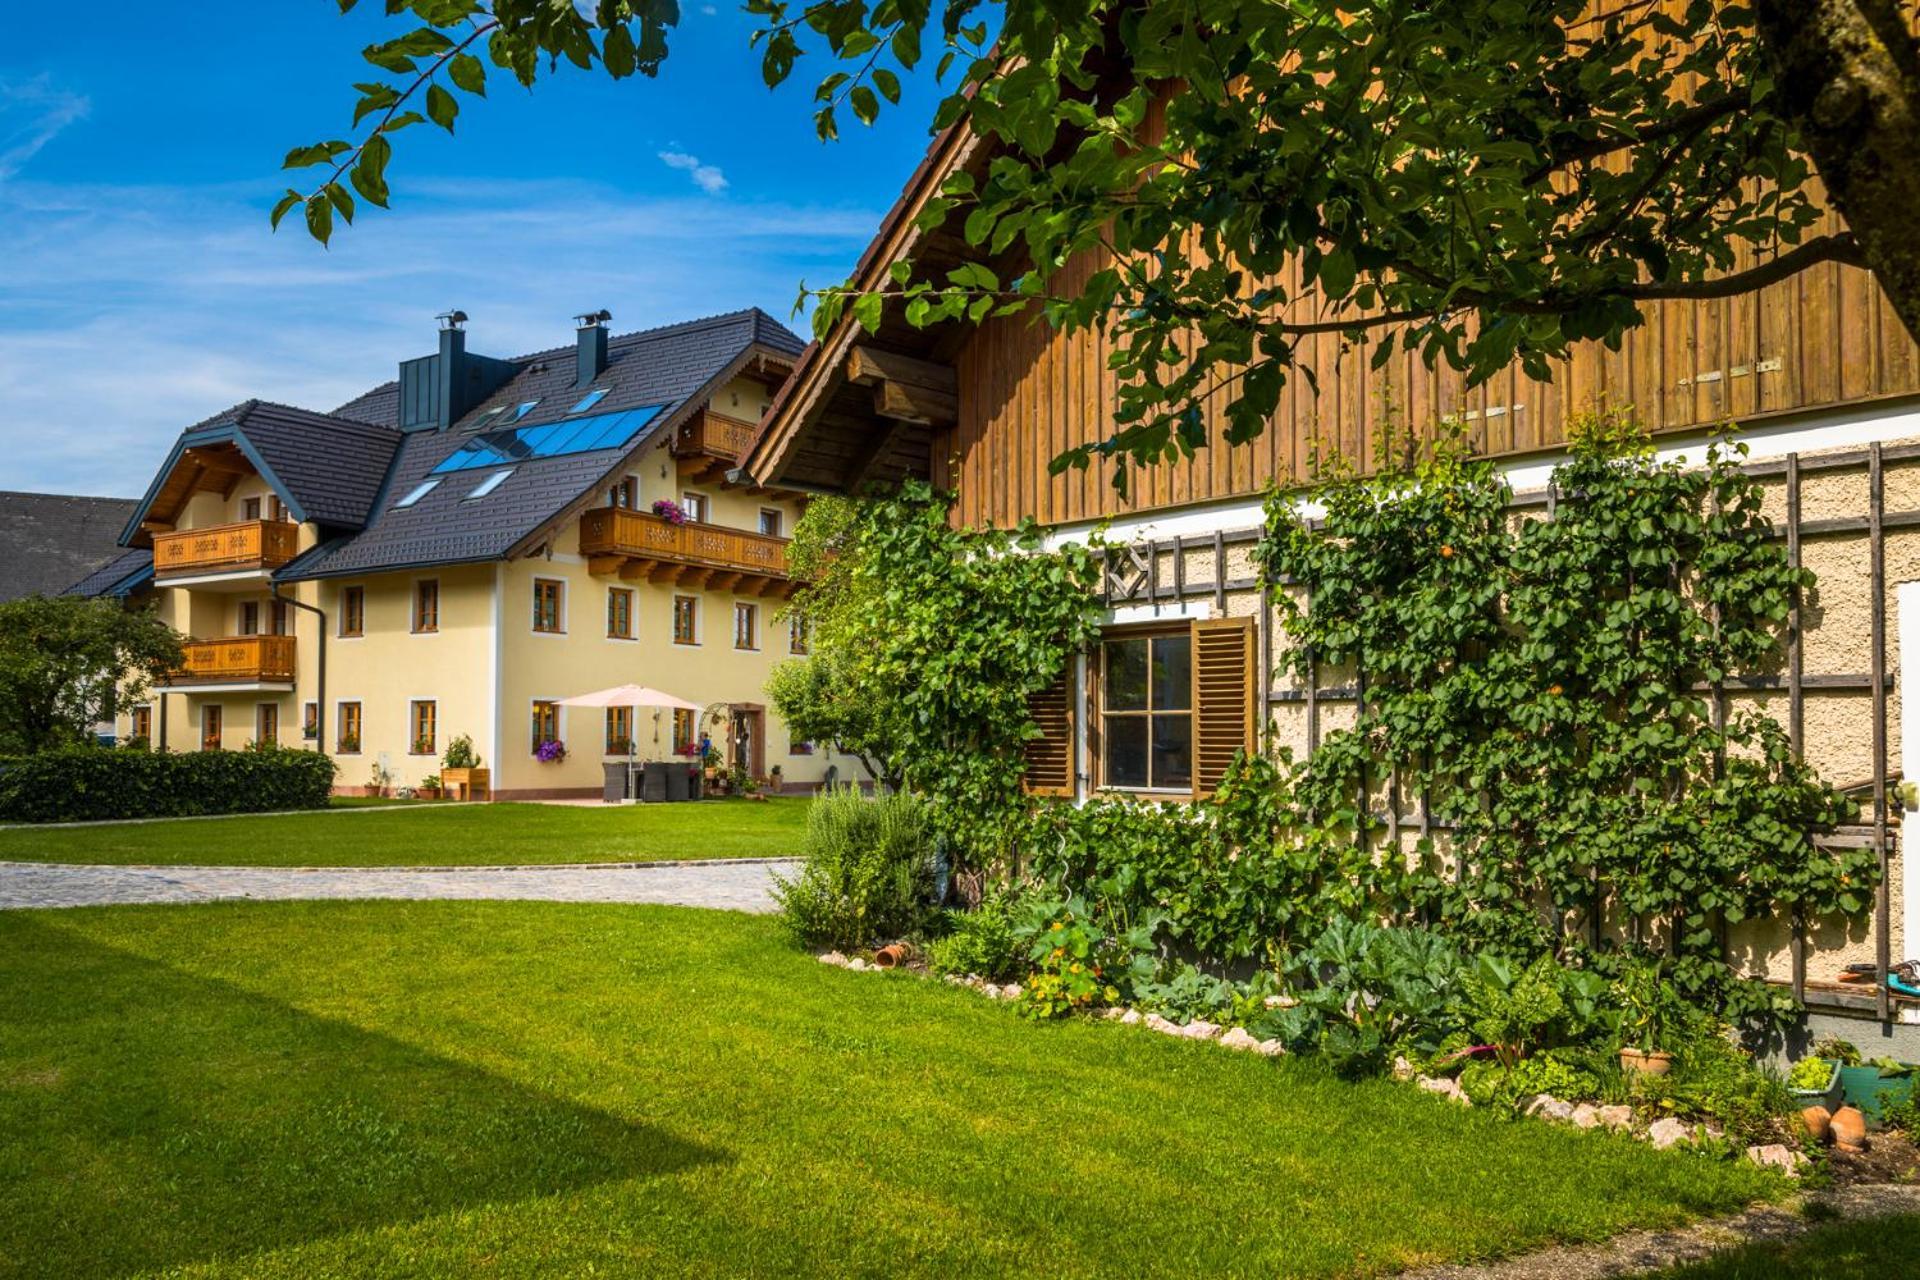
<point x="891" y="956"/>
<point x="1654" y="1062"/>
<point x="1818" y="1121"/>
<point x="1850" y="1129"/>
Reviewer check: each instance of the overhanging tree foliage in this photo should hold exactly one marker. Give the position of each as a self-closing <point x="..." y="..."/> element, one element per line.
<point x="66" y="664"/>
<point x="1483" y="180"/>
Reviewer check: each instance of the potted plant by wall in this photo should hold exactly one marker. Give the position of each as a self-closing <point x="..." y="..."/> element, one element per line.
<point x="776" y="779"/>
<point x="460" y="771"/>
<point x="1815" y="1082"/>
<point x="380" y="782"/>
<point x="430" y="787"/>
<point x="1644" y="999"/>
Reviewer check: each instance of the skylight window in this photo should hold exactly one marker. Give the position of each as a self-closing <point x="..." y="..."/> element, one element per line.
<point x="488" y="485"/>
<point x="589" y="400"/>
<point x="418" y="492"/>
<point x="524" y="408"/>
<point x="488" y="418"/>
<point x="585" y="434"/>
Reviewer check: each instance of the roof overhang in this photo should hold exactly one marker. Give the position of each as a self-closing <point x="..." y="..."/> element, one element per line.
<point x="825" y="431"/>
<point x="199" y="455"/>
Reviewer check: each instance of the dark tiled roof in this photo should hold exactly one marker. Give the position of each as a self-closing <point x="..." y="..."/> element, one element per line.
<point x="332" y="466"/>
<point x="380" y="406"/>
<point x="134" y="565"/>
<point x="664" y="367"/>
<point x="49" y="539"/>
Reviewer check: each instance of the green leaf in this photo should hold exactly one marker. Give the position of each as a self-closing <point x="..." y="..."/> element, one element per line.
<point x="441" y="107"/>
<point x="867" y="311"/>
<point x="320" y="218"/>
<point x="285" y="206"/>
<point x="467" y="73"/>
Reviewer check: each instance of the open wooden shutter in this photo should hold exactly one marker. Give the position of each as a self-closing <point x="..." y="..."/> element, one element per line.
<point x="1050" y="756"/>
<point x="1223" y="662"/>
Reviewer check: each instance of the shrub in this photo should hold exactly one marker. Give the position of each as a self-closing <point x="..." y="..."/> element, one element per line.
<point x="982" y="941"/>
<point x="868" y="875"/>
<point x="90" y="784"/>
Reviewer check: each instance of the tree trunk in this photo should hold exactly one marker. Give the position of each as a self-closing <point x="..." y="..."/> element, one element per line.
<point x="1847" y="72"/>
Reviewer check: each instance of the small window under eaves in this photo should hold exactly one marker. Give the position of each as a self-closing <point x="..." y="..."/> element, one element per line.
<point x="524" y="408"/>
<point x="589" y="400"/>
<point x="418" y="492"/>
<point x="488" y="485"/>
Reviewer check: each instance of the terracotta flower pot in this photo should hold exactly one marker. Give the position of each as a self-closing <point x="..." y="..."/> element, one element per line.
<point x="1819" y="1122"/>
<point x="1850" y="1129"/>
<point x="1647" y="1063"/>
<point x="891" y="956"/>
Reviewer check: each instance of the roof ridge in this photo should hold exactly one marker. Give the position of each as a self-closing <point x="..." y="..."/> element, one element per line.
<point x="660" y="330"/>
<point x="328" y="414"/>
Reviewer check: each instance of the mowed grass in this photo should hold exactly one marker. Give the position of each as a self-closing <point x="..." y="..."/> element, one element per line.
<point x="522" y="1089"/>
<point x="1874" y="1249"/>
<point x="432" y="834"/>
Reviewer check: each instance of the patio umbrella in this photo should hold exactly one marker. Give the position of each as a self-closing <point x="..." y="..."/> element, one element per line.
<point x="630" y="695"/>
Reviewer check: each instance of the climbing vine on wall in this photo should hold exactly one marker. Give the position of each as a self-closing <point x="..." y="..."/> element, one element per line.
<point x="1545" y="684"/>
<point x="936" y="637"/>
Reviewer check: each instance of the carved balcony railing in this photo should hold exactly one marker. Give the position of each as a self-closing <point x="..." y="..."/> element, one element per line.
<point x="224" y="548"/>
<point x="235" y="660"/>
<point x="641" y="546"/>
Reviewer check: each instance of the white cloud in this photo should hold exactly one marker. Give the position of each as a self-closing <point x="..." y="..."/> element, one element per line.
<point x="32" y="114"/>
<point x="705" y="176"/>
<point x="129" y="313"/>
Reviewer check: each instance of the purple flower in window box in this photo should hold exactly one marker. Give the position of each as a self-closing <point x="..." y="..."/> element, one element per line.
<point x="552" y="751"/>
<point x="669" y="510"/>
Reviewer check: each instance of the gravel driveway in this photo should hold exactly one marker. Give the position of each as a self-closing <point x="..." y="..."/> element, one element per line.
<point x="730" y="885"/>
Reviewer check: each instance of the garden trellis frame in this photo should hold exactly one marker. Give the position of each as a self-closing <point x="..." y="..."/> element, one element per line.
<point x="1132" y="576"/>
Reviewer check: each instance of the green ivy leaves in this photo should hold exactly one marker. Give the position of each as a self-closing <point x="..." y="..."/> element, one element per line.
<point x="1538" y="680"/>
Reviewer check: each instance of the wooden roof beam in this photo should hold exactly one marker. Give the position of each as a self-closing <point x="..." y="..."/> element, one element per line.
<point x="905" y="387"/>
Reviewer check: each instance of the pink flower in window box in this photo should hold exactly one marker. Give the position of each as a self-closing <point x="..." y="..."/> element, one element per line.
<point x="669" y="510"/>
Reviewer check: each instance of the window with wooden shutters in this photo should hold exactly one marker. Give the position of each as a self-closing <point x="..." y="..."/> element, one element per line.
<point x="1050" y="756"/>
<point x="1223" y="685"/>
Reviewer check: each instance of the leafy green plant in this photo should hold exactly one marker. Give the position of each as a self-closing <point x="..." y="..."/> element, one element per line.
<point x="1647" y="1005"/>
<point x="868" y="871"/>
<point x="1187" y="993"/>
<point x="1809" y="1074"/>
<point x="1537" y="680"/>
<point x="983" y="941"/>
<point x="460" y="754"/>
<point x="1363" y="992"/>
<point x="1491" y="1082"/>
<point x="1079" y="958"/>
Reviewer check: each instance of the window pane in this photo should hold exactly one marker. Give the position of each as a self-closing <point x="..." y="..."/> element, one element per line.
<point x="1172" y="673"/>
<point x="1173" y="751"/>
<point x="1126" y="751"/>
<point x="1126" y="675"/>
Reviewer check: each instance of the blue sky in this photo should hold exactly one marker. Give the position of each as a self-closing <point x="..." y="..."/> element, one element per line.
<point x="141" y="290"/>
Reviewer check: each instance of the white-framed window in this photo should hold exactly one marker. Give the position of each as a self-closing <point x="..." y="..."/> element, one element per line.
<point x="416" y="493"/>
<point x="549" y="606"/>
<point x="686" y="620"/>
<point x="694" y="506"/>
<point x="773" y="522"/>
<point x="746" y="625"/>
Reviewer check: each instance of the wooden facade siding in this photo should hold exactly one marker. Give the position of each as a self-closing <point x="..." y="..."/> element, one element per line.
<point x="1825" y="337"/>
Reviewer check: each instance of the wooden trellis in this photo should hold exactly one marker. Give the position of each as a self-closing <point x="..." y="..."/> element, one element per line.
<point x="1133" y="576"/>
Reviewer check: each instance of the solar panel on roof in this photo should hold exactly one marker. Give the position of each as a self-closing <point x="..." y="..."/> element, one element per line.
<point x="552" y="440"/>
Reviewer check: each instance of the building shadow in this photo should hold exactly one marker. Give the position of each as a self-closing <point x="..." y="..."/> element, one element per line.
<point x="151" y="1118"/>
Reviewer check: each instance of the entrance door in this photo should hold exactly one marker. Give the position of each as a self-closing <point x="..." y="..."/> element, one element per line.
<point x="748" y="746"/>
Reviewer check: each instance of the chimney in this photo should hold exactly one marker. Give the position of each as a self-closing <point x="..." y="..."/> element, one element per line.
<point x="450" y="381"/>
<point x="591" y="342"/>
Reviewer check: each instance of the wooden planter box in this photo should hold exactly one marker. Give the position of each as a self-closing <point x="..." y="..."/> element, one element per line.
<point x="467" y="784"/>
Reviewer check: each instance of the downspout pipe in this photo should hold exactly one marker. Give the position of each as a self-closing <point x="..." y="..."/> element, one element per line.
<point x="320" y="674"/>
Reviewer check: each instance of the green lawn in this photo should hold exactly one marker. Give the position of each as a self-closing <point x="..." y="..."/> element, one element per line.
<point x="522" y="1089"/>
<point x="1881" y="1249"/>
<point x="437" y="834"/>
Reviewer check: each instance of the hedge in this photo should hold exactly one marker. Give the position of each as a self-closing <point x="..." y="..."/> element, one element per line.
<point x="88" y="784"/>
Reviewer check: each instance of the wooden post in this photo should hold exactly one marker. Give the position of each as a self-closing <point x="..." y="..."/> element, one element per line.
<point x="1220" y="576"/>
<point x="1796" y="709"/>
<point x="1877" y="558"/>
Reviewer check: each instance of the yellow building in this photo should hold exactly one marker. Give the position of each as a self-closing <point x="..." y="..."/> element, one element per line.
<point x="455" y="551"/>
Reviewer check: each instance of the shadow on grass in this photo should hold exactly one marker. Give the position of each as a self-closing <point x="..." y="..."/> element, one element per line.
<point x="150" y="1118"/>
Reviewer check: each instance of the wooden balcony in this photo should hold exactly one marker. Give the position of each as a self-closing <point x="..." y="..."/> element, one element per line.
<point x="710" y="444"/>
<point x="248" y="546"/>
<point x="236" y="660"/>
<point x="643" y="547"/>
